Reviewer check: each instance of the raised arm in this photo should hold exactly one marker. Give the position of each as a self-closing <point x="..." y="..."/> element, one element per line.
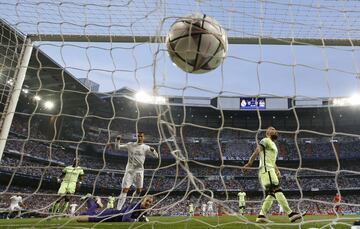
<point x="153" y="152"/>
<point x="118" y="145"/>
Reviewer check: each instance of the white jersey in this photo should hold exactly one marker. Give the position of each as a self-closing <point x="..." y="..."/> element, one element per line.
<point x="281" y="210"/>
<point x="210" y="204"/>
<point x="203" y="207"/>
<point x="136" y="154"/>
<point x="73" y="208"/>
<point x="15" y="200"/>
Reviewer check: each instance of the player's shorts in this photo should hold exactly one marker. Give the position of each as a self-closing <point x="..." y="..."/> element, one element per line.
<point x="241" y="204"/>
<point x="268" y="179"/>
<point x="15" y="208"/>
<point x="210" y="209"/>
<point x="133" y="177"/>
<point x="67" y="188"/>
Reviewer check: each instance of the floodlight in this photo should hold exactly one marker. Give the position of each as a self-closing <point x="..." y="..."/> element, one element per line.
<point x="143" y="97"/>
<point x="37" y="98"/>
<point x="10" y="82"/>
<point x="354" y="100"/>
<point x="49" y="105"/>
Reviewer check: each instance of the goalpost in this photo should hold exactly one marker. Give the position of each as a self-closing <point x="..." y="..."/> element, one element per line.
<point x="13" y="96"/>
<point x="120" y="45"/>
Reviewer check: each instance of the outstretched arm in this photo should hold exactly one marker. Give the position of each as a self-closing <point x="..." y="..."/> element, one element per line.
<point x="153" y="152"/>
<point x="128" y="213"/>
<point x="82" y="218"/>
<point x="253" y="157"/>
<point x="118" y="145"/>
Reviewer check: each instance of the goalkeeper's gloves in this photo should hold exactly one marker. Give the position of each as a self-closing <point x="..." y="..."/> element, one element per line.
<point x="143" y="219"/>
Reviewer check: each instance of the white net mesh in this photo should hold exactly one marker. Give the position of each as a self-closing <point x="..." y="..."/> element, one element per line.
<point x="277" y="19"/>
<point x="91" y="59"/>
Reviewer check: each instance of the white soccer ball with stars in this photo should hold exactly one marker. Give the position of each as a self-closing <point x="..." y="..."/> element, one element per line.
<point x="197" y="43"/>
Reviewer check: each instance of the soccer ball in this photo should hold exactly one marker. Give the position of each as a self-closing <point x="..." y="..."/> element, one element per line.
<point x="196" y="43"/>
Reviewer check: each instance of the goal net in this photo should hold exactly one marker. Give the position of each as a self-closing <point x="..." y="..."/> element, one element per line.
<point x="77" y="75"/>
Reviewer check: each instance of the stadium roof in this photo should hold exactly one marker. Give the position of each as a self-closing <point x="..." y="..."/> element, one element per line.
<point x="44" y="75"/>
<point x="276" y="21"/>
<point x="48" y="78"/>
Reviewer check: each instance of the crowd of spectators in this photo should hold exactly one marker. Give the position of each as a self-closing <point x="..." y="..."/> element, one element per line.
<point x="177" y="178"/>
<point x="206" y="144"/>
<point x="40" y="201"/>
<point x="34" y="155"/>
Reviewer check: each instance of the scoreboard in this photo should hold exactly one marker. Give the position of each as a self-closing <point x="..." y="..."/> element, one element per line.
<point x="252" y="103"/>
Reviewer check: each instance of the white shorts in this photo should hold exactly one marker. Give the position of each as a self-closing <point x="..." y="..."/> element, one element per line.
<point x="210" y="209"/>
<point x="15" y="208"/>
<point x="133" y="177"/>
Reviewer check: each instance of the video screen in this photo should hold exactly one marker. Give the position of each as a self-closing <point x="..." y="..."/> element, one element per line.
<point x="252" y="103"/>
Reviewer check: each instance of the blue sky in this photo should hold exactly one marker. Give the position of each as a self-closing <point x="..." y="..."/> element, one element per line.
<point x="275" y="70"/>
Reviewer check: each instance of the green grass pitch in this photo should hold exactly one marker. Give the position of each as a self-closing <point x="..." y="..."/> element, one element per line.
<point x="223" y="222"/>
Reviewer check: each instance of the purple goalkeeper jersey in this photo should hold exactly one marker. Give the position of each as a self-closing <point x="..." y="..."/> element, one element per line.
<point x="91" y="207"/>
<point x="126" y="214"/>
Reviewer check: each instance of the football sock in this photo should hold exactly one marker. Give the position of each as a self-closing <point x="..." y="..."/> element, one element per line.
<point x="55" y="207"/>
<point x="64" y="207"/>
<point x="283" y="202"/>
<point x="121" y="201"/>
<point x="266" y="204"/>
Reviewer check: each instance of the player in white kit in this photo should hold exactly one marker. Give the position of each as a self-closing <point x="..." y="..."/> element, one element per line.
<point x="281" y="210"/>
<point x="210" y="208"/>
<point x="134" y="171"/>
<point x="16" y="204"/>
<point x="203" y="209"/>
<point x="73" y="209"/>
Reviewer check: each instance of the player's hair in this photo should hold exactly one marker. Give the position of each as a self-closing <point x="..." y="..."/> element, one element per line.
<point x="148" y="196"/>
<point x="269" y="127"/>
<point x="140" y="132"/>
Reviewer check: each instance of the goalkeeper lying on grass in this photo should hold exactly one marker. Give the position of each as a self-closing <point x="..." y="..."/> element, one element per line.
<point x="131" y="213"/>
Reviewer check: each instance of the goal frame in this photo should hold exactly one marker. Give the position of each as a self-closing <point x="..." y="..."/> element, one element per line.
<point x="27" y="48"/>
<point x="162" y="39"/>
